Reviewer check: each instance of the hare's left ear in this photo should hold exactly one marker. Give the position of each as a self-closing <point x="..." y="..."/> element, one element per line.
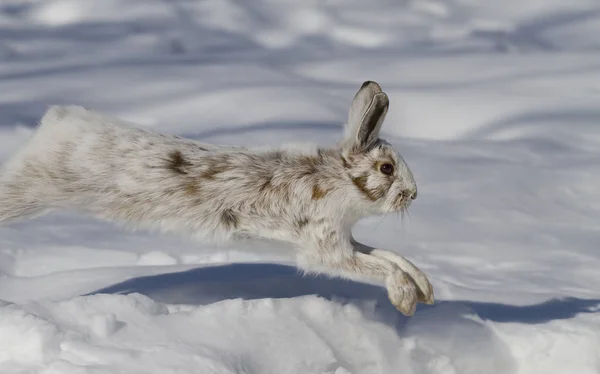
<point x="368" y="110"/>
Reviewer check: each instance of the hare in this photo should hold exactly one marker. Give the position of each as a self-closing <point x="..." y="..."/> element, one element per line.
<point x="82" y="161"/>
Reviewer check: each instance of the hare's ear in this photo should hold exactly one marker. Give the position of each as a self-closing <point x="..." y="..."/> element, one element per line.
<point x="368" y="110"/>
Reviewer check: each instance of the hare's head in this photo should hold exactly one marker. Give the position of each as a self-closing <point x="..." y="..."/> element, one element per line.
<point x="378" y="172"/>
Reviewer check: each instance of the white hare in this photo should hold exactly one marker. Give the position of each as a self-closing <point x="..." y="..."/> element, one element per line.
<point x="83" y="161"/>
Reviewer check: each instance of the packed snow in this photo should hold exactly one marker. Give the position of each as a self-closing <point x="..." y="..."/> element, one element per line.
<point x="494" y="106"/>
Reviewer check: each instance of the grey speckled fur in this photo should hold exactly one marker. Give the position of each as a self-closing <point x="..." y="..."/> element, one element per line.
<point x="81" y="160"/>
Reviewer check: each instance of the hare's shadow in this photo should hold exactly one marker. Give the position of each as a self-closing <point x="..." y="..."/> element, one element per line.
<point x="210" y="284"/>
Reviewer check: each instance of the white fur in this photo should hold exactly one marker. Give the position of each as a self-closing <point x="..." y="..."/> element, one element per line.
<point x="83" y="161"/>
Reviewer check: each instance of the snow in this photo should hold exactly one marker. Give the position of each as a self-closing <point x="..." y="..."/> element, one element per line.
<point x="493" y="106"/>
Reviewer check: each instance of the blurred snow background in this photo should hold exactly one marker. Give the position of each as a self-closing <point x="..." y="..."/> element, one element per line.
<point x="494" y="105"/>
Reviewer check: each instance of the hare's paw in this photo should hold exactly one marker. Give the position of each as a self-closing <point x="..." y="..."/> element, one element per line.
<point x="402" y="292"/>
<point x="424" y="287"/>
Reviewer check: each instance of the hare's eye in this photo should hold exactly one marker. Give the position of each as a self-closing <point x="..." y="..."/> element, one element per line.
<point x="386" y="168"/>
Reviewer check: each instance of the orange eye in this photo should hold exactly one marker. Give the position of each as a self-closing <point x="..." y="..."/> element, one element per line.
<point x="386" y="168"/>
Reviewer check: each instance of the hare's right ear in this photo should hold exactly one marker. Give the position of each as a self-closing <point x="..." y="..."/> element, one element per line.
<point x="368" y="110"/>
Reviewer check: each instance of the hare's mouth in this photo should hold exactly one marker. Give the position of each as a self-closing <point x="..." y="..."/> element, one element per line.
<point x="402" y="202"/>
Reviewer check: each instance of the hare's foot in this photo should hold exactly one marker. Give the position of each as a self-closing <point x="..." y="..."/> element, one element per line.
<point x="402" y="292"/>
<point x="424" y="287"/>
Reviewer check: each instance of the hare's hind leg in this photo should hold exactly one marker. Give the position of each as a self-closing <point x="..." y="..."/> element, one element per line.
<point x="17" y="199"/>
<point x="351" y="264"/>
<point x="17" y="207"/>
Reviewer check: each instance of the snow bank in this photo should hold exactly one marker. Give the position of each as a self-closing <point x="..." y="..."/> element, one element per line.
<point x="134" y="334"/>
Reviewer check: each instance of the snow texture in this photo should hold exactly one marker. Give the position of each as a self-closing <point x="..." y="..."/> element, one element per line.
<point x="494" y="105"/>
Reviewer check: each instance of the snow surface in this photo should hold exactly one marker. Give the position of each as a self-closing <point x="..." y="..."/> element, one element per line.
<point x="494" y="105"/>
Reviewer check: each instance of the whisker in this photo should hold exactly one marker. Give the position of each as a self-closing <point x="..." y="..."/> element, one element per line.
<point x="402" y="215"/>
<point x="384" y="215"/>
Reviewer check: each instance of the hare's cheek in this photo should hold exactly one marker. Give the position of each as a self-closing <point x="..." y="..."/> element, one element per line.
<point x="372" y="190"/>
<point x="380" y="192"/>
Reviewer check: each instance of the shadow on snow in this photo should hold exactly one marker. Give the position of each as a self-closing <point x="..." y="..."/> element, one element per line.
<point x="210" y="284"/>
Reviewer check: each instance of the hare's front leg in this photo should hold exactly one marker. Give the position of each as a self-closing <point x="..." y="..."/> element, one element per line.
<point x="425" y="289"/>
<point x="340" y="259"/>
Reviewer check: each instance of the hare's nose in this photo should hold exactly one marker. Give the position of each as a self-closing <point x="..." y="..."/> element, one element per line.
<point x="412" y="194"/>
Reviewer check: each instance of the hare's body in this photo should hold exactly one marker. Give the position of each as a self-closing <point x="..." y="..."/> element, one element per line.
<point x="86" y="162"/>
<point x="83" y="161"/>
